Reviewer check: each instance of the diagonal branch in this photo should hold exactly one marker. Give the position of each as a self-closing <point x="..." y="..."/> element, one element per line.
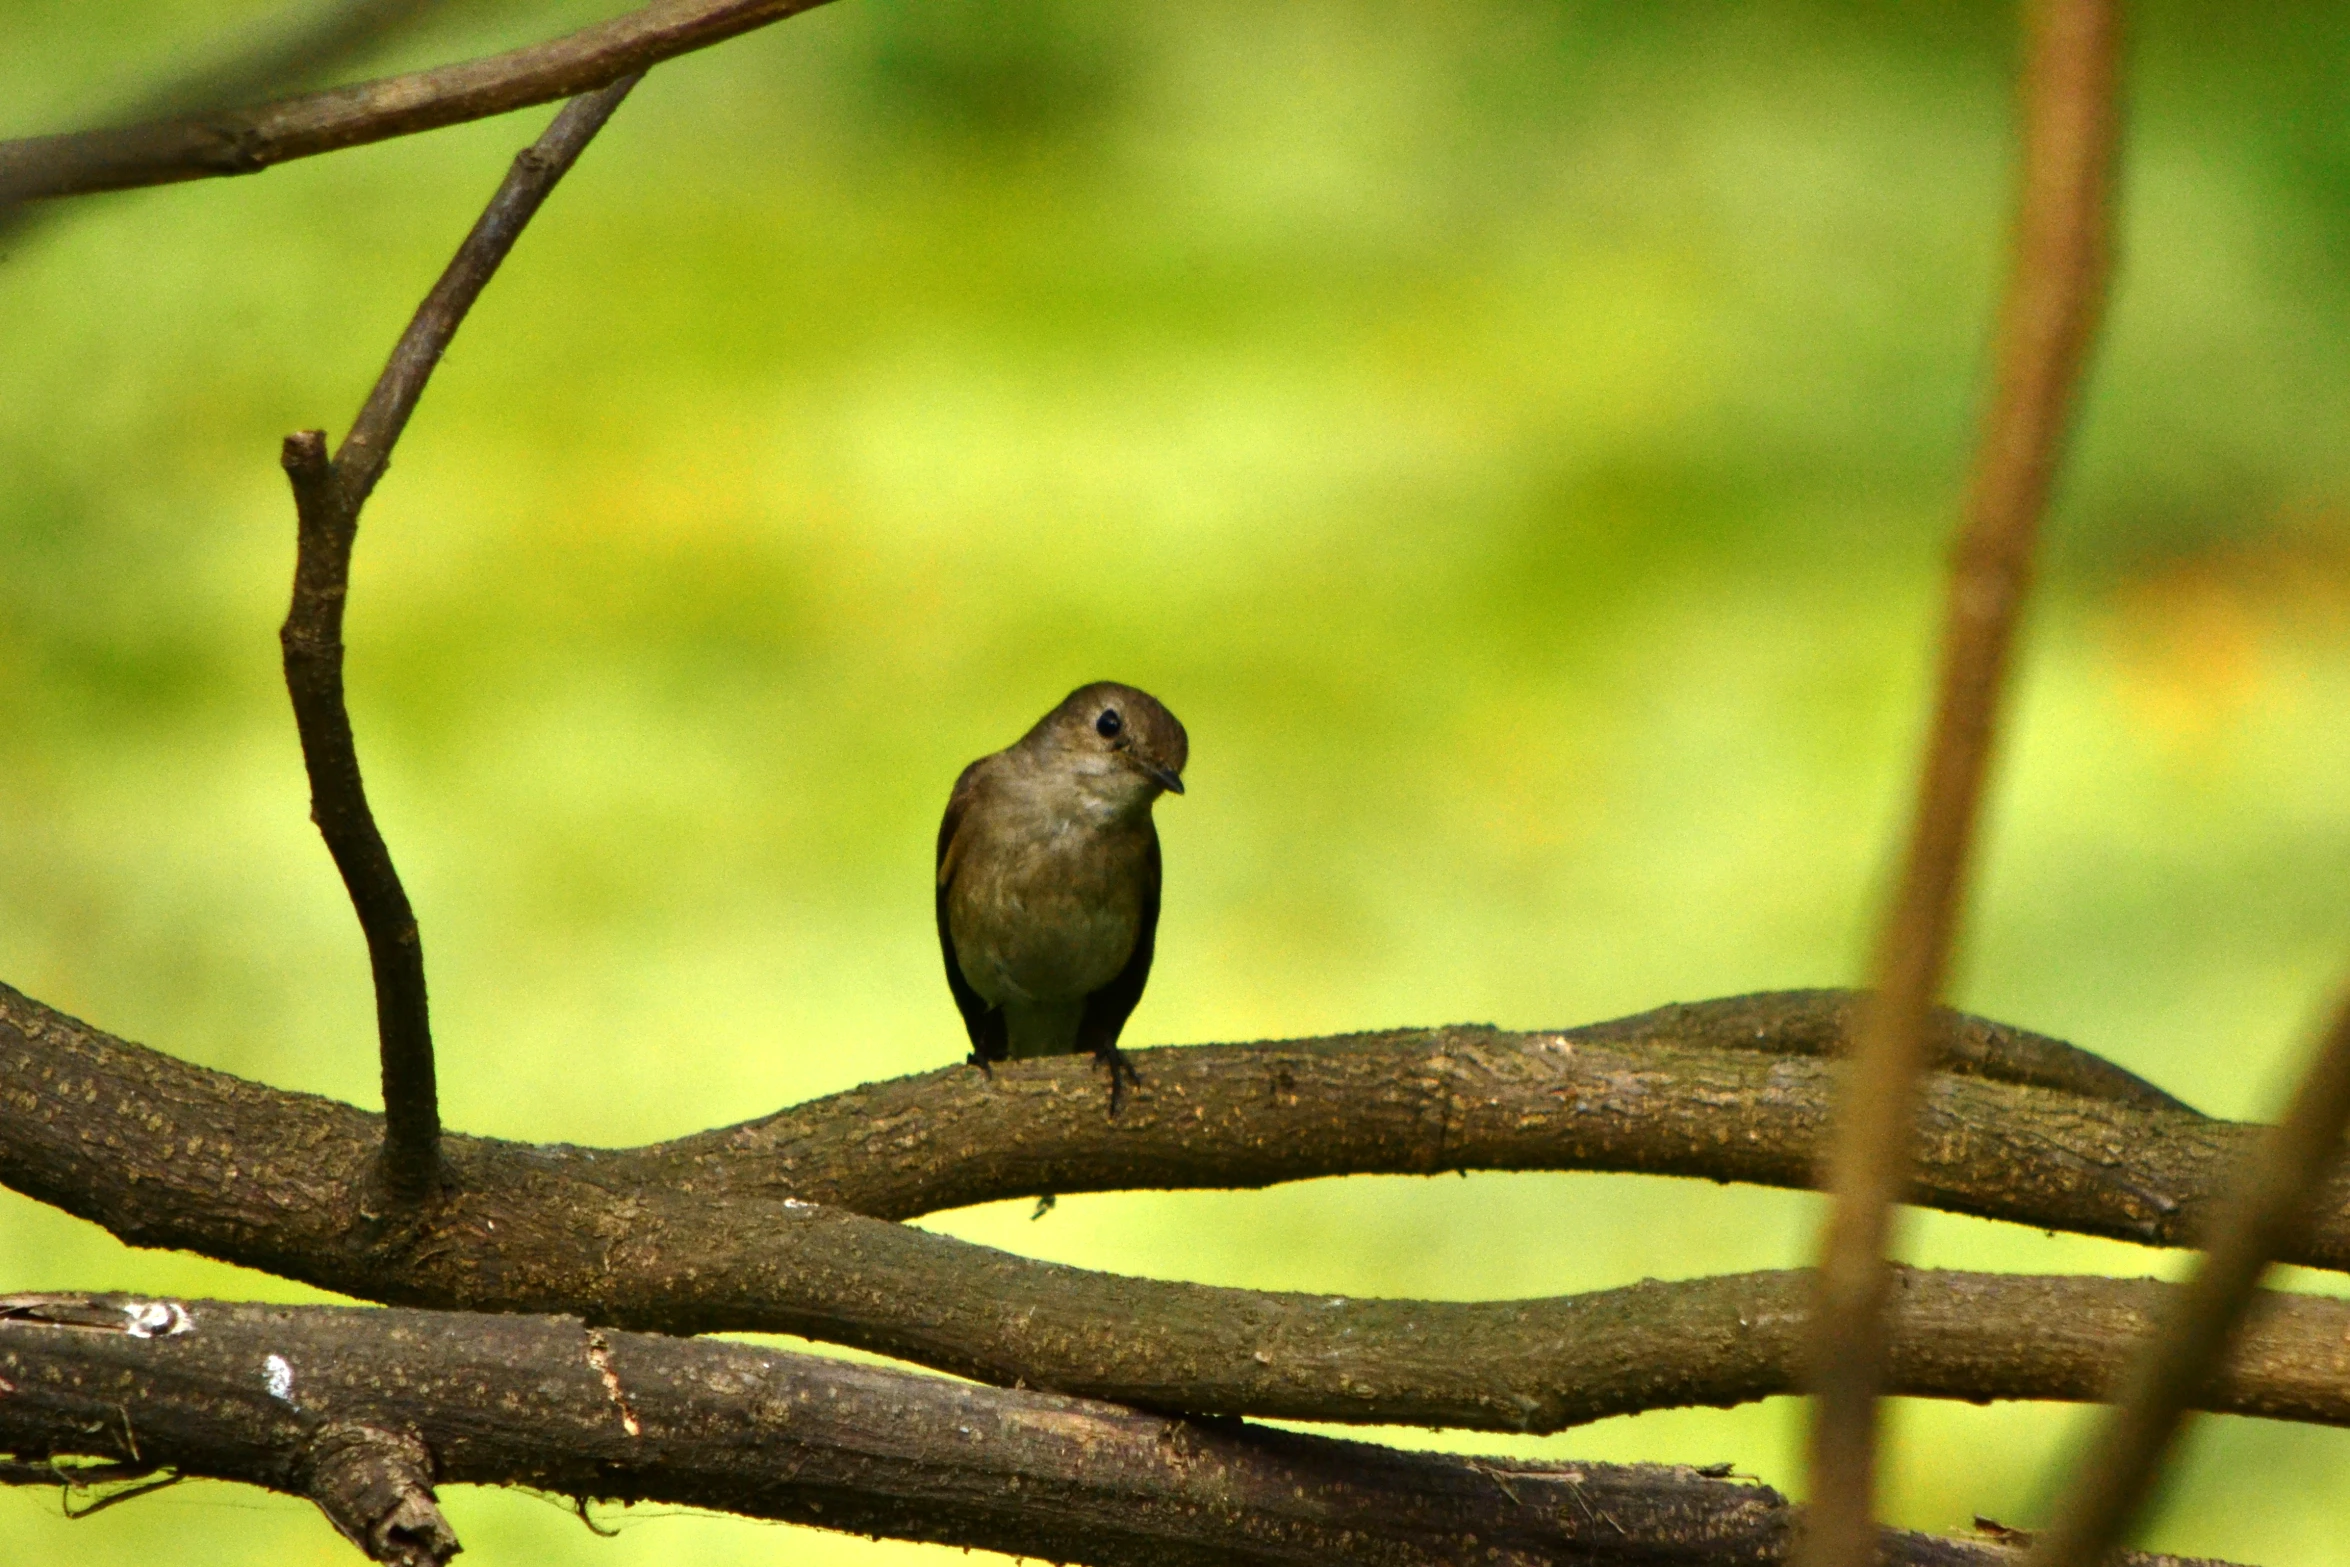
<point x="285" y="56"/>
<point x="245" y="141"/>
<point x="2263" y="1214"/>
<point x="708" y="1234"/>
<point x="2056" y="292"/>
<point x="328" y="495"/>
<point x="359" y="462"/>
<point x="549" y="1403"/>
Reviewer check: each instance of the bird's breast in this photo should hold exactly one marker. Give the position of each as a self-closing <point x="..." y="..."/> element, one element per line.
<point x="1044" y="908"/>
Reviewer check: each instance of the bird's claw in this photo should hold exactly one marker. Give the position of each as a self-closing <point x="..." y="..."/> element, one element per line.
<point x="1122" y="1072"/>
<point x="986" y="1067"/>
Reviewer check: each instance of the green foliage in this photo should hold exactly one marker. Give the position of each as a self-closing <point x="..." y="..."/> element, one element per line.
<point x="1518" y="439"/>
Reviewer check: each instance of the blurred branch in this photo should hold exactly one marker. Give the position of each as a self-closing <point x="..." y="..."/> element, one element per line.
<point x="716" y="1234"/>
<point x="328" y="496"/>
<point x="245" y="141"/>
<point x="2262" y="1215"/>
<point x="2055" y="294"/>
<point x="288" y="54"/>
<point x="745" y="1429"/>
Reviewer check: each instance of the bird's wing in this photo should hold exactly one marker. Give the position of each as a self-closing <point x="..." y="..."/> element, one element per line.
<point x="1107" y="1009"/>
<point x="985" y="1024"/>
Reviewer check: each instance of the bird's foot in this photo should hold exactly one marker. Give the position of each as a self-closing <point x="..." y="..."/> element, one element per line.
<point x="986" y="1067"/>
<point x="1044" y="1205"/>
<point x="1122" y="1072"/>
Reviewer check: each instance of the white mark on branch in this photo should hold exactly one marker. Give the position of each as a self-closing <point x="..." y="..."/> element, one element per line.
<point x="599" y="1355"/>
<point x="278" y="1377"/>
<point x="139" y="1318"/>
<point x="156" y="1319"/>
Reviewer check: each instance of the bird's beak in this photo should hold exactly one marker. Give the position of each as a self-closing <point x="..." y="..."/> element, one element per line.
<point x="1165" y="777"/>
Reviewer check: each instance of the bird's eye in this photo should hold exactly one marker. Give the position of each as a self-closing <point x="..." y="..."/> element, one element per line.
<point x="1108" y="725"/>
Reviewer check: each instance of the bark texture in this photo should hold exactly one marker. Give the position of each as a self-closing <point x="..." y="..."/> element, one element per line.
<point x="282" y="1396"/>
<point x="707" y="1235"/>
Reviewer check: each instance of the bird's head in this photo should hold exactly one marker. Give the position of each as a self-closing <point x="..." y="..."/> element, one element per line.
<point x="1120" y="743"/>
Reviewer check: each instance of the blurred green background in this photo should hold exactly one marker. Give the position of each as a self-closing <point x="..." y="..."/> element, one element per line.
<point x="1518" y="438"/>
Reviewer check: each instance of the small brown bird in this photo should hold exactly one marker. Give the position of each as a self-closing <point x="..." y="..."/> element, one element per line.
<point x="1048" y="878"/>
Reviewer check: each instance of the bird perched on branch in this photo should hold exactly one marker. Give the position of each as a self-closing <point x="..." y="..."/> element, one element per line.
<point x="1048" y="879"/>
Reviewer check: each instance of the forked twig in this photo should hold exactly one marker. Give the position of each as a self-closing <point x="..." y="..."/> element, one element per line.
<point x="2259" y="1221"/>
<point x="2054" y="297"/>
<point x="328" y="495"/>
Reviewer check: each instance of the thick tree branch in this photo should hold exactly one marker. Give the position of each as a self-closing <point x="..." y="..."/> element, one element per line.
<point x="2055" y="295"/>
<point x="328" y="495"/>
<point x="257" y="1394"/>
<point x="713" y="1233"/>
<point x="1730" y="1090"/>
<point x="245" y="141"/>
<point x="2267" y="1207"/>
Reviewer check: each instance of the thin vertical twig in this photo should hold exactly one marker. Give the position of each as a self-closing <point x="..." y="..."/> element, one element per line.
<point x="2264" y="1212"/>
<point x="2055" y="295"/>
<point x="328" y="495"/>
